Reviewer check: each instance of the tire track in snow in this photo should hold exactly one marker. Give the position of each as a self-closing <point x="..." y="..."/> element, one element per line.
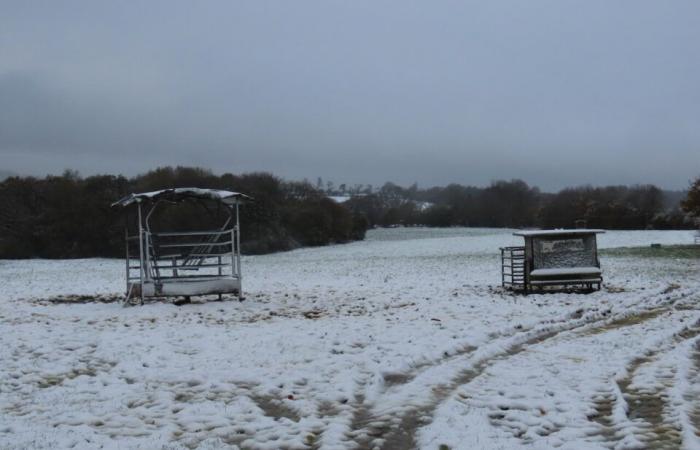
<point x="648" y="409"/>
<point x="397" y="378"/>
<point x="694" y="414"/>
<point x="401" y="378"/>
<point x="274" y="408"/>
<point x="404" y="436"/>
<point x="396" y="430"/>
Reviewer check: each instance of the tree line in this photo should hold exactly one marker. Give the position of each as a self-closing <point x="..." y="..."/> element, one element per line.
<point x="515" y="204"/>
<point x="69" y="216"/>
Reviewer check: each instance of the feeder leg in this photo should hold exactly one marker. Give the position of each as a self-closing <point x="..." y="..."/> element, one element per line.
<point x="127" y="300"/>
<point x="183" y="301"/>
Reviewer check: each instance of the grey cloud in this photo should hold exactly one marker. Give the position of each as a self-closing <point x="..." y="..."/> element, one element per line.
<point x="555" y="92"/>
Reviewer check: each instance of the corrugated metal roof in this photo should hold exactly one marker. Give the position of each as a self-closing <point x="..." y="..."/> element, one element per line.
<point x="180" y="194"/>
<point x="557" y="232"/>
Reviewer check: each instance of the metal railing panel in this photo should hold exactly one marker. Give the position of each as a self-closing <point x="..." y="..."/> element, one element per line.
<point x="513" y="267"/>
<point x="188" y="259"/>
<point x="166" y="259"/>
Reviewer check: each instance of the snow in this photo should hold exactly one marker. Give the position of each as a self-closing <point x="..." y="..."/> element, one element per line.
<point x="214" y="194"/>
<point x="557" y="232"/>
<point x="566" y="271"/>
<point x="400" y="341"/>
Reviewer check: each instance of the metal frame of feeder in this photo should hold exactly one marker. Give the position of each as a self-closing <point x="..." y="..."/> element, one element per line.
<point x="182" y="264"/>
<point x="552" y="259"/>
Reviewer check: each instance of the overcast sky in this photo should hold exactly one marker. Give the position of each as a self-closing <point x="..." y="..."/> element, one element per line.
<point x="555" y="92"/>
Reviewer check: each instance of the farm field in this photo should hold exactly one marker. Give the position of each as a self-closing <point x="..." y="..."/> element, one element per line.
<point x="405" y="340"/>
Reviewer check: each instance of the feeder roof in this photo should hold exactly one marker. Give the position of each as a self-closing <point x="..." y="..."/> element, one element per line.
<point x="180" y="194"/>
<point x="557" y="232"/>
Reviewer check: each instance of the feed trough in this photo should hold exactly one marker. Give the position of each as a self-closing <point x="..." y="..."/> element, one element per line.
<point x="552" y="259"/>
<point x="182" y="263"/>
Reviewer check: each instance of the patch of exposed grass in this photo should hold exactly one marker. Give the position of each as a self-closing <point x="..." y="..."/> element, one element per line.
<point x="665" y="251"/>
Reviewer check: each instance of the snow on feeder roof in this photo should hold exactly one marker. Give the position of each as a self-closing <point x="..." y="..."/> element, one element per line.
<point x="179" y="194"/>
<point x="555" y="232"/>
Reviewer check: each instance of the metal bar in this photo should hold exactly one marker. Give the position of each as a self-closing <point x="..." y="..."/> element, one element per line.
<point x="595" y="249"/>
<point x="198" y="244"/>
<point x="233" y="251"/>
<point x="152" y="257"/>
<point x="195" y="278"/>
<point x="173" y="255"/>
<point x="207" y="255"/>
<point x="180" y="267"/>
<point x="190" y="233"/>
<point x="238" y="248"/>
<point x="126" y="235"/>
<point x="183" y="256"/>
<point x="141" y="253"/>
<point x="148" y="216"/>
<point x="128" y="294"/>
<point x="503" y="274"/>
<point x="529" y="260"/>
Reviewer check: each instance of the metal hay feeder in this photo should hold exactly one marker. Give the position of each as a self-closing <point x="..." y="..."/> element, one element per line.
<point x="558" y="259"/>
<point x="182" y="263"/>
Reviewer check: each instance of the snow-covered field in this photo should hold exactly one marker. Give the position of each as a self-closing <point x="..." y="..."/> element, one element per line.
<point x="402" y="341"/>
